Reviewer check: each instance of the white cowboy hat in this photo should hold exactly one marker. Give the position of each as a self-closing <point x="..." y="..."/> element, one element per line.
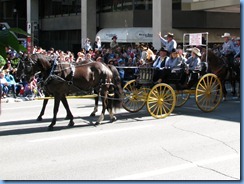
<point x="238" y="39"/>
<point x="196" y="51"/>
<point x="226" y="35"/>
<point x="169" y="34"/>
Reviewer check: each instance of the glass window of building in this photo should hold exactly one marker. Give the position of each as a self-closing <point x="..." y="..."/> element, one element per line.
<point x="60" y="7"/>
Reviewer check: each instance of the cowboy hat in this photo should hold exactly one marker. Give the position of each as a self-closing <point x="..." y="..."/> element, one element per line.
<point x="196" y="51"/>
<point x="164" y="50"/>
<point x="226" y="35"/>
<point x="114" y="37"/>
<point x="169" y="35"/>
<point x="237" y="39"/>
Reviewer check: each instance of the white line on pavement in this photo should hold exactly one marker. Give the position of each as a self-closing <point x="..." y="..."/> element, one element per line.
<point x="90" y="133"/>
<point x="22" y="107"/>
<point x="147" y="174"/>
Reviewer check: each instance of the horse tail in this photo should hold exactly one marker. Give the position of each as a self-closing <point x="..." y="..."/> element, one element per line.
<point x="118" y="91"/>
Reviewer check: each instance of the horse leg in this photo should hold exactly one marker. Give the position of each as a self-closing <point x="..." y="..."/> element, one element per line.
<point x="96" y="106"/>
<point x="44" y="104"/>
<point x="110" y="111"/>
<point x="104" y="105"/>
<point x="69" y="114"/>
<point x="233" y="85"/>
<point x="55" y="111"/>
<point x="224" y="91"/>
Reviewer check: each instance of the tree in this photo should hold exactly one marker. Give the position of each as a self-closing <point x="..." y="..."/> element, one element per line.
<point x="9" y="39"/>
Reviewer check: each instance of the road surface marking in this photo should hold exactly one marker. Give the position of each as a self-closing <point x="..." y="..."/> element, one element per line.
<point x="90" y="133"/>
<point x="148" y="174"/>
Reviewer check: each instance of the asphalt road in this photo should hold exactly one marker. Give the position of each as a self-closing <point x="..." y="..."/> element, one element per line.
<point x="187" y="145"/>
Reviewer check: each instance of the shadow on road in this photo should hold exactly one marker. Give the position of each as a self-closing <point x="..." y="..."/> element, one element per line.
<point x="229" y="111"/>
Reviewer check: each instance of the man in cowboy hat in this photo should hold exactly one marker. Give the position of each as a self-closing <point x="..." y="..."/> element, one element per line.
<point x="228" y="49"/>
<point x="114" y="44"/>
<point x="237" y="47"/>
<point x="193" y="63"/>
<point x="169" y="43"/>
<point x="228" y="45"/>
<point x="159" y="63"/>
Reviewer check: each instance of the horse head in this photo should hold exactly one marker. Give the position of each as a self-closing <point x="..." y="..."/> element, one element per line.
<point x="30" y="65"/>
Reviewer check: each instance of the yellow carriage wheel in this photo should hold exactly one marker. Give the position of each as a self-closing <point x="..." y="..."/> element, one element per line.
<point x="161" y="101"/>
<point x="134" y="97"/>
<point x="208" y="93"/>
<point x="181" y="98"/>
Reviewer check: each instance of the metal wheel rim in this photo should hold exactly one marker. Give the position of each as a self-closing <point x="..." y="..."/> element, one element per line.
<point x="134" y="99"/>
<point x="161" y="101"/>
<point x="209" y="93"/>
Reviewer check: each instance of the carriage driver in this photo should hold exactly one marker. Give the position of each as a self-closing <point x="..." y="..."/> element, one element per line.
<point x="159" y="63"/>
<point x="169" y="42"/>
<point x="173" y="63"/>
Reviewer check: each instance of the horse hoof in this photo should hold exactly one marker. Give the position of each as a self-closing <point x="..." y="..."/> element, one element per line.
<point x="71" y="124"/>
<point x="39" y="118"/>
<point x="98" y="123"/>
<point x="113" y="119"/>
<point x="92" y="114"/>
<point x="50" y="128"/>
<point x="67" y="117"/>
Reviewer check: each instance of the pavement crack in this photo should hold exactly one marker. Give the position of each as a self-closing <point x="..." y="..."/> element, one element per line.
<point x="200" y="166"/>
<point x="193" y="132"/>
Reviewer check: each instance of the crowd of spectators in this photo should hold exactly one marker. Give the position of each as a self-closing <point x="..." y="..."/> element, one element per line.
<point x="115" y="54"/>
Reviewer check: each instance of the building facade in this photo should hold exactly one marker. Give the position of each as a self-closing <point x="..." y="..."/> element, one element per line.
<point x="63" y="24"/>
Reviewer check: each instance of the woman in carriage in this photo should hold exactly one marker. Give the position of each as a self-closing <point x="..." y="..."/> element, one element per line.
<point x="193" y="67"/>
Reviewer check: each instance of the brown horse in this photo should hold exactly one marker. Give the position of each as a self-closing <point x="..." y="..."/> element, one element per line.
<point x="62" y="78"/>
<point x="218" y="66"/>
<point x="20" y="74"/>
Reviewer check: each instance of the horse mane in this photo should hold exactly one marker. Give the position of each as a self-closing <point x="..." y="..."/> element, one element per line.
<point x="213" y="59"/>
<point x="43" y="60"/>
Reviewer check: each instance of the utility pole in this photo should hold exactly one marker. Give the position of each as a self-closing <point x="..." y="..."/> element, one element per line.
<point x="29" y="27"/>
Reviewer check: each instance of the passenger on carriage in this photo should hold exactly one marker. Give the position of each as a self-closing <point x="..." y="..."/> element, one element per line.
<point x="174" y="63"/>
<point x="193" y="67"/>
<point x="169" y="43"/>
<point x="194" y="62"/>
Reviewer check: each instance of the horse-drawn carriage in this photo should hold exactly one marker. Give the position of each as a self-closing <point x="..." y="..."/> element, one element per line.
<point x="161" y="99"/>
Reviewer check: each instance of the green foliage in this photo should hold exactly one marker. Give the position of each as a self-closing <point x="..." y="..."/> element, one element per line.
<point x="15" y="61"/>
<point x="2" y="61"/>
<point x="8" y="38"/>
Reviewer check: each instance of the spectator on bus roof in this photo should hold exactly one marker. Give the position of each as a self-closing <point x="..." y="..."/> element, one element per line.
<point x="114" y="44"/>
<point x="97" y="44"/>
<point x="87" y="45"/>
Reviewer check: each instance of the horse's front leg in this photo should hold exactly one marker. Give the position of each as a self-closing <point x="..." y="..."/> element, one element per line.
<point x="69" y="114"/>
<point x="55" y="111"/>
<point x="96" y="104"/>
<point x="104" y="105"/>
<point x="44" y="104"/>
